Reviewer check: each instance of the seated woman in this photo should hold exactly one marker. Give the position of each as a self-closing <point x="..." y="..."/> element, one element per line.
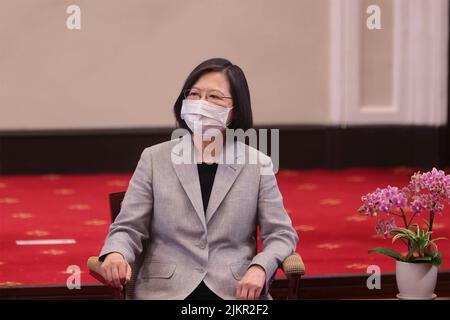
<point x="194" y="222"/>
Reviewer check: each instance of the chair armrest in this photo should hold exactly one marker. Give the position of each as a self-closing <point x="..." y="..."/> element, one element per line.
<point x="94" y="267"/>
<point x="293" y="266"/>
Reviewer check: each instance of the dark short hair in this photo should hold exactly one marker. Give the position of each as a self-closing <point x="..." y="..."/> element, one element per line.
<point x="242" y="111"/>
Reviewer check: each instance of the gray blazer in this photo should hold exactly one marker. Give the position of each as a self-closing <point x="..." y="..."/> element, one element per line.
<point x="162" y="220"/>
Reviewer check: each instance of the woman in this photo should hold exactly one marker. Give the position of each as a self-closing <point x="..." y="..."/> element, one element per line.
<point x="193" y="223"/>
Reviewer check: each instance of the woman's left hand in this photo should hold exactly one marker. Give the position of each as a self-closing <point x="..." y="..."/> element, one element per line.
<point x="251" y="285"/>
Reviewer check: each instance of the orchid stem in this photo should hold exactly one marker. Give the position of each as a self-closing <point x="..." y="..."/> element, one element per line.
<point x="406" y="225"/>
<point x="403" y="216"/>
<point x="395" y="214"/>
<point x="411" y="220"/>
<point x="431" y="221"/>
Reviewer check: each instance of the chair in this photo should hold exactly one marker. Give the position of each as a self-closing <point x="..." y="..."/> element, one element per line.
<point x="293" y="266"/>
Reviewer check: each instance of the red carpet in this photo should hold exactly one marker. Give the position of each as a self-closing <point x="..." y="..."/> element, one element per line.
<point x="334" y="237"/>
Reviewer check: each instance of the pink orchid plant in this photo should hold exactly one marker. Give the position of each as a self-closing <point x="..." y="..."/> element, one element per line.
<point x="425" y="194"/>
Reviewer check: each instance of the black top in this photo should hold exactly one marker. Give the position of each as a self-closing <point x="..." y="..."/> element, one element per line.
<point x="206" y="174"/>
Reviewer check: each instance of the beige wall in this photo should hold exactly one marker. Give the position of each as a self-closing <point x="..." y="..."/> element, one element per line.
<point x="377" y="57"/>
<point x="126" y="65"/>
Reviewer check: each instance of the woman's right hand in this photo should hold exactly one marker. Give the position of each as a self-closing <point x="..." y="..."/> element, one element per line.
<point x="115" y="270"/>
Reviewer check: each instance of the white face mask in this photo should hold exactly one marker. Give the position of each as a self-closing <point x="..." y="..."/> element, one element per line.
<point x="201" y="115"/>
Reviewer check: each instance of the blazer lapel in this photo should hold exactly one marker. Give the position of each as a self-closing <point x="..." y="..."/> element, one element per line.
<point x="188" y="175"/>
<point x="225" y="176"/>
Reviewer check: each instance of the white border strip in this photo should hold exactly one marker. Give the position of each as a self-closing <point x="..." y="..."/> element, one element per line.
<point x="44" y="242"/>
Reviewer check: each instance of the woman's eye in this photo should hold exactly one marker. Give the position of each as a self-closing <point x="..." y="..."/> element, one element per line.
<point x="215" y="97"/>
<point x="193" y="94"/>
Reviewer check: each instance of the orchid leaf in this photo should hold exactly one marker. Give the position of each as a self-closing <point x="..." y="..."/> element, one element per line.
<point x="388" y="252"/>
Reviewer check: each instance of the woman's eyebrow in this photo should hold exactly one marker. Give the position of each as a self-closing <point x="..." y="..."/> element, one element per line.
<point x="220" y="91"/>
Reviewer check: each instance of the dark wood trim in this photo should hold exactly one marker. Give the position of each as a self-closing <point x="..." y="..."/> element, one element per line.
<point x="352" y="287"/>
<point x="444" y="145"/>
<point x="60" y="292"/>
<point x="311" y="288"/>
<point x="85" y="151"/>
<point x="118" y="150"/>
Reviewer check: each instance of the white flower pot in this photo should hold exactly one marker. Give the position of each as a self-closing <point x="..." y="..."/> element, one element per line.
<point x="416" y="280"/>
